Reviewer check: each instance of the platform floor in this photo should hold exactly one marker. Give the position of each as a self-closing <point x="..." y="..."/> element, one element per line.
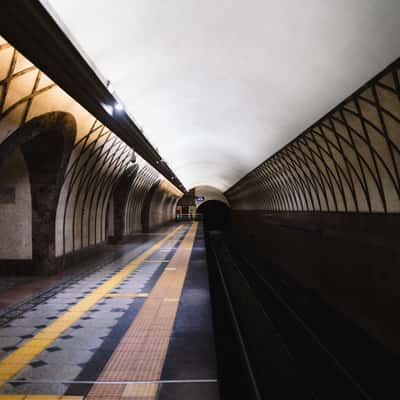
<point x="138" y="327"/>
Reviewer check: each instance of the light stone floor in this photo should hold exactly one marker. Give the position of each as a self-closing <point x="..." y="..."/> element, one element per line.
<point x="69" y="354"/>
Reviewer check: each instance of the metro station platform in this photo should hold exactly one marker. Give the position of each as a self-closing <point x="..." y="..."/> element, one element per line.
<point x="138" y="327"/>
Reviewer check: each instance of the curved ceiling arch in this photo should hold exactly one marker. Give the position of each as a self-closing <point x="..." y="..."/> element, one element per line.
<point x="208" y="193"/>
<point x="232" y="81"/>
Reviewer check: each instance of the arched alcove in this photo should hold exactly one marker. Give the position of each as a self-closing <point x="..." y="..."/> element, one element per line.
<point x="41" y="149"/>
<point x="15" y="212"/>
<point x="117" y="204"/>
<point x="203" y="193"/>
<point x="151" y="195"/>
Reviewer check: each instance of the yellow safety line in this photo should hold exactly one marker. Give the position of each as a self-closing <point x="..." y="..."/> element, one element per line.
<point x="21" y="357"/>
<point x="140" y="355"/>
<point x="157" y="261"/>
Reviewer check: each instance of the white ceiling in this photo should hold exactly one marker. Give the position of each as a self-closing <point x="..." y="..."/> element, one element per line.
<point x="218" y="86"/>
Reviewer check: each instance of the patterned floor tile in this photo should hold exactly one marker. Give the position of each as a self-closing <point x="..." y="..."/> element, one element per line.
<point x="8" y="341"/>
<point x="35" y="388"/>
<point x="50" y="372"/>
<point x="67" y="355"/>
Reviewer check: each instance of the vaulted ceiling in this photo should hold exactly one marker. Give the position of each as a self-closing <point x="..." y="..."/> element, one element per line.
<point x="218" y="86"/>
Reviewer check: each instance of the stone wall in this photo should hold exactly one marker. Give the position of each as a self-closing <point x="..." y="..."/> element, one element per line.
<point x="71" y="193"/>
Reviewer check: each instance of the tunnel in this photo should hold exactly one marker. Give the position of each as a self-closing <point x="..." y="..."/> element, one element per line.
<point x="215" y="215"/>
<point x="199" y="200"/>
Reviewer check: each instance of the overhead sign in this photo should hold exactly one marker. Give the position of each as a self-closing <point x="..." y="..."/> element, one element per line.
<point x="199" y="198"/>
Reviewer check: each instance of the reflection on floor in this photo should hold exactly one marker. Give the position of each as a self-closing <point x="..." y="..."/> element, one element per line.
<point x="112" y="332"/>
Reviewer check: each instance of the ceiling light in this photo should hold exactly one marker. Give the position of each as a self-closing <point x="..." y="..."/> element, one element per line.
<point x="108" y="108"/>
<point x="118" y="107"/>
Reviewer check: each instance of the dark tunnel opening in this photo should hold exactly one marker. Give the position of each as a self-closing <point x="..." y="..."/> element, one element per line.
<point x="216" y="216"/>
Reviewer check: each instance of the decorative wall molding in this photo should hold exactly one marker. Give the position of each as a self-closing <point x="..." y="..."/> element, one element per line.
<point x="93" y="162"/>
<point x="348" y="161"/>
